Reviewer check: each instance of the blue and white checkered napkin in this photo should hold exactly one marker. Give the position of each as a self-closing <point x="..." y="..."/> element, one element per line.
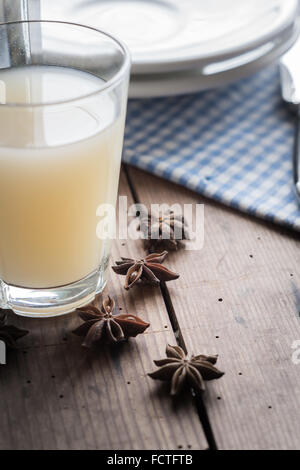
<point x="233" y="145"/>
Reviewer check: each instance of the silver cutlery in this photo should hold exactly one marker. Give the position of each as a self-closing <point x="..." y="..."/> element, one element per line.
<point x="290" y="88"/>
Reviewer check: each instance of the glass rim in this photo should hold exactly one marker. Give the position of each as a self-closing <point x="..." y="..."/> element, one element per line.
<point x="109" y="84"/>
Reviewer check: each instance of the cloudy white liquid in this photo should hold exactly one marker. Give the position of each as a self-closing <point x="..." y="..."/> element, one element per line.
<point x="58" y="163"/>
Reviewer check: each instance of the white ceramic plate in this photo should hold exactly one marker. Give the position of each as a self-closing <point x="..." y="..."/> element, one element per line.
<point x="214" y="74"/>
<point x="173" y="35"/>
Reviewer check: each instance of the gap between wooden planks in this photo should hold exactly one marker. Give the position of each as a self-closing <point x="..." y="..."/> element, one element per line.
<point x="57" y="395"/>
<point x="239" y="297"/>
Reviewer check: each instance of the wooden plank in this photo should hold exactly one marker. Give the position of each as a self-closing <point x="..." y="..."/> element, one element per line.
<point x="240" y="297"/>
<point x="57" y="395"/>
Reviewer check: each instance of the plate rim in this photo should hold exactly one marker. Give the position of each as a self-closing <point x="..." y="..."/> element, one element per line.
<point x="217" y="79"/>
<point x="142" y="66"/>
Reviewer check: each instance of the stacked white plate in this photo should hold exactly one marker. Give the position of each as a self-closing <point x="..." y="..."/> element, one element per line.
<point x="185" y="46"/>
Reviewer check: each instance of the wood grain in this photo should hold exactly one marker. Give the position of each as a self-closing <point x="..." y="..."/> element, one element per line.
<point x="239" y="297"/>
<point x="57" y="395"/>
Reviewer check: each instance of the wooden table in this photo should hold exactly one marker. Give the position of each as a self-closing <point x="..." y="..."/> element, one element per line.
<point x="238" y="297"/>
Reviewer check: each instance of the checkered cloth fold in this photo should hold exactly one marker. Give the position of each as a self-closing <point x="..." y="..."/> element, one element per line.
<point x="233" y="145"/>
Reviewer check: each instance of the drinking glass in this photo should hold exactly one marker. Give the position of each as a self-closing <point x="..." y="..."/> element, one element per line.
<point x="63" y="95"/>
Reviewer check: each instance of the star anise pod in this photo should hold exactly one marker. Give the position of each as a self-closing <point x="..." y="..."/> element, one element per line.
<point x="163" y="230"/>
<point x="101" y="324"/>
<point x="180" y="370"/>
<point x="9" y="333"/>
<point x="148" y="270"/>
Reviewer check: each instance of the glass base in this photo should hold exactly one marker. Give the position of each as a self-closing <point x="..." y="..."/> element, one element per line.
<point x="51" y="302"/>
